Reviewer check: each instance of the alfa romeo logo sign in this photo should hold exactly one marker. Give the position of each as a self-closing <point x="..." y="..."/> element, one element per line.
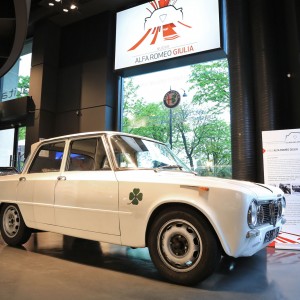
<point x="171" y="99"/>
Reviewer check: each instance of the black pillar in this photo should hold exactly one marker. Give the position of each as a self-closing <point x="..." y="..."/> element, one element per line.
<point x="263" y="55"/>
<point x="269" y="74"/>
<point x="241" y="89"/>
<point x="291" y="11"/>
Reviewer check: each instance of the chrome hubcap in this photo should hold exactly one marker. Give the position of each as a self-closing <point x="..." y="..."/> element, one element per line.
<point x="179" y="245"/>
<point x="11" y="221"/>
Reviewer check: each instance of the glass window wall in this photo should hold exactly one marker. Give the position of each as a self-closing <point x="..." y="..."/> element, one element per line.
<point x="13" y="85"/>
<point x="198" y="128"/>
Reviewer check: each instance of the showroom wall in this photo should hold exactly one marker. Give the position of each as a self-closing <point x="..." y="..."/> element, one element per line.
<point x="72" y="80"/>
<point x="263" y="56"/>
<point x="75" y="89"/>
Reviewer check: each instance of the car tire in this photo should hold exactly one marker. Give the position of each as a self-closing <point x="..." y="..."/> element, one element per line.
<point x="183" y="246"/>
<point x="13" y="229"/>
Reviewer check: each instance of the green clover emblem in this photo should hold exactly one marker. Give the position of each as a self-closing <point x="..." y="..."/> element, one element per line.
<point x="135" y="196"/>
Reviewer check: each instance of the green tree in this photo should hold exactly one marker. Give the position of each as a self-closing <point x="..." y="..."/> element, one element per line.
<point x="199" y="126"/>
<point x="201" y="136"/>
<point x="23" y="90"/>
<point x="22" y="133"/>
<point x="214" y="157"/>
<point x="23" y="86"/>
<point x="141" y="118"/>
<point x="189" y="123"/>
<point x="210" y="82"/>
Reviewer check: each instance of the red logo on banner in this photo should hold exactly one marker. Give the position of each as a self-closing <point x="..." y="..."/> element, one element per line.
<point x="163" y="21"/>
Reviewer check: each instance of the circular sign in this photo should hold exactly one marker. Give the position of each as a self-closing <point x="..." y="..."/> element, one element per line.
<point x="171" y="99"/>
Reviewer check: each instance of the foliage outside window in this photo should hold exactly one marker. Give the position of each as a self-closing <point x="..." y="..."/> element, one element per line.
<point x="200" y="126"/>
<point x="23" y="86"/>
<point x="23" y="90"/>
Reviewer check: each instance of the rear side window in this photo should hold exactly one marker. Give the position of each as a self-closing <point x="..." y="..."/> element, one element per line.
<point x="87" y="155"/>
<point x="48" y="158"/>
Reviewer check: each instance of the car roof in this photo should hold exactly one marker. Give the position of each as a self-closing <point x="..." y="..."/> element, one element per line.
<point x="87" y="134"/>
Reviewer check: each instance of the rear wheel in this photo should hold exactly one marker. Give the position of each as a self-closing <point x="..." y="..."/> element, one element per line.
<point x="183" y="246"/>
<point x="13" y="229"/>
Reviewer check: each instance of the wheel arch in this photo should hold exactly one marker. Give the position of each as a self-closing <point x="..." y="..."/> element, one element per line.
<point x="178" y="206"/>
<point x="10" y="203"/>
<point x="3" y="204"/>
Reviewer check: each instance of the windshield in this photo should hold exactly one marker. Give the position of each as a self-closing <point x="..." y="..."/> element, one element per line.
<point x="138" y="153"/>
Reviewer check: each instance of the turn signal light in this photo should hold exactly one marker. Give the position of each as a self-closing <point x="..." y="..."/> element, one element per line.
<point x="203" y="188"/>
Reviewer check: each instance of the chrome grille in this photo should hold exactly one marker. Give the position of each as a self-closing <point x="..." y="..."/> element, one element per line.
<point x="268" y="212"/>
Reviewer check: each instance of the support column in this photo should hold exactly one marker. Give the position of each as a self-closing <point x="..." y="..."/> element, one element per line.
<point x="241" y="89"/>
<point x="43" y="82"/>
<point x="269" y="74"/>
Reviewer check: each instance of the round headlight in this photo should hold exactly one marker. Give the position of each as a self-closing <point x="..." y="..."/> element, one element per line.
<point x="283" y="206"/>
<point x="252" y="214"/>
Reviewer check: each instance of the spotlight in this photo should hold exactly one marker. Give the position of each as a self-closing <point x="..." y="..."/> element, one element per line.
<point x="73" y="4"/>
<point x="64" y="5"/>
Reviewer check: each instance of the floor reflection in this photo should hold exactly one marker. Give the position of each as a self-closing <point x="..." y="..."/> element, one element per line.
<point x="114" y="257"/>
<point x="283" y="257"/>
<point x="260" y="274"/>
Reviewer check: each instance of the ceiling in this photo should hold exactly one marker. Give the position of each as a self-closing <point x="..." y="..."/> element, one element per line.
<point x="18" y="19"/>
<point x="40" y="9"/>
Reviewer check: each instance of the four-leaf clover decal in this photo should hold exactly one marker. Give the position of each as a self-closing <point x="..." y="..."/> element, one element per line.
<point x="135" y="196"/>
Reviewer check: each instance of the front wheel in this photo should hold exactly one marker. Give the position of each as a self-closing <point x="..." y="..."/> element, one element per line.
<point x="13" y="229"/>
<point x="183" y="246"/>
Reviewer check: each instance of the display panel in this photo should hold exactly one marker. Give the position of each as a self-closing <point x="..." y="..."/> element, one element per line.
<point x="281" y="157"/>
<point x="165" y="29"/>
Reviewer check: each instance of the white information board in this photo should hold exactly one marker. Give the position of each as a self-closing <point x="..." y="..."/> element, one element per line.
<point x="281" y="156"/>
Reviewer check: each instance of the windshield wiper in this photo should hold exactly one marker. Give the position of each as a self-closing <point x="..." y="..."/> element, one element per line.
<point x="168" y="167"/>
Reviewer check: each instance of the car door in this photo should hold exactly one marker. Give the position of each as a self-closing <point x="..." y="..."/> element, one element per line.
<point x="37" y="186"/>
<point x="86" y="196"/>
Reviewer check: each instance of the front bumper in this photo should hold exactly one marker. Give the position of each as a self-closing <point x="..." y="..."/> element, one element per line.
<point x="258" y="238"/>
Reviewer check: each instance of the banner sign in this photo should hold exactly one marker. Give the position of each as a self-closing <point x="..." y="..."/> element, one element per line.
<point x="281" y="156"/>
<point x="164" y="29"/>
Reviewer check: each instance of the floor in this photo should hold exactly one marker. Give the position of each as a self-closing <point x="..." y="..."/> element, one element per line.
<point x="52" y="266"/>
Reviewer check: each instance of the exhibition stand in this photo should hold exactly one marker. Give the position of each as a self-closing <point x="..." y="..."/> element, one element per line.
<point x="281" y="155"/>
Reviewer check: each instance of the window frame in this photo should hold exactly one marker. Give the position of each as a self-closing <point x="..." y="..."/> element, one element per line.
<point x="99" y="139"/>
<point x="36" y="156"/>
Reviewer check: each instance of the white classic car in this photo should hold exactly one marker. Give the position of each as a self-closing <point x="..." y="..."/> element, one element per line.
<point x="133" y="191"/>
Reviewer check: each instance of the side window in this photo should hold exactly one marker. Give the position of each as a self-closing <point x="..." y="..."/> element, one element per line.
<point x="48" y="158"/>
<point x="87" y="155"/>
<point x="130" y="151"/>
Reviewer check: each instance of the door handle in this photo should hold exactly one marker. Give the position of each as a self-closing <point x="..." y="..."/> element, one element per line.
<point x="61" y="178"/>
<point x="22" y="178"/>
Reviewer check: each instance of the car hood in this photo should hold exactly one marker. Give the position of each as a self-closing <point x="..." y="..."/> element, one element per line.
<point x="260" y="190"/>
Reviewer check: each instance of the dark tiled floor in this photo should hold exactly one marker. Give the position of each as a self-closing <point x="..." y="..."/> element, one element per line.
<point x="52" y="266"/>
